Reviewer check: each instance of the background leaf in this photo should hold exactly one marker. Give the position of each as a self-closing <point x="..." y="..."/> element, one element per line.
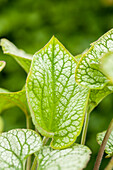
<point x="11" y="99"/>
<point x="109" y="145"/>
<point x="20" y="56"/>
<point x="2" y="65"/>
<point x="88" y="72"/>
<point x="57" y="103"/>
<point x="96" y="96"/>
<point x="16" y="145"/>
<point x="107" y="65"/>
<point x="73" y="158"/>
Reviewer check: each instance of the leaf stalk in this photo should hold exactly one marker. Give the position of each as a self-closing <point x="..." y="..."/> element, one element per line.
<point x="45" y="140"/>
<point x="34" y="165"/>
<point x="86" y="122"/>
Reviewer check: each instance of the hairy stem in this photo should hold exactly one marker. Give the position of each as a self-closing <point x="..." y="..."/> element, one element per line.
<point x="102" y="147"/>
<point x="83" y="139"/>
<point x="110" y="165"/>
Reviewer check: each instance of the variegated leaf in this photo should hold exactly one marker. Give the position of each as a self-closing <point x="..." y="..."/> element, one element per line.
<point x="56" y="102"/>
<point x="15" y="146"/>
<point x="73" y="158"/>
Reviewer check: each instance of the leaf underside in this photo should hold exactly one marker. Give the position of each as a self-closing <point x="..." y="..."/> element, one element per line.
<point x="109" y="145"/>
<point x="20" y="56"/>
<point x="2" y="65"/>
<point x="88" y="71"/>
<point x="11" y="99"/>
<point x="73" y="158"/>
<point x="96" y="96"/>
<point x="56" y="102"/>
<point x="15" y="146"/>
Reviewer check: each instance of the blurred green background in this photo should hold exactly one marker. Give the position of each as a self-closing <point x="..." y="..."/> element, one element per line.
<point x="30" y="24"/>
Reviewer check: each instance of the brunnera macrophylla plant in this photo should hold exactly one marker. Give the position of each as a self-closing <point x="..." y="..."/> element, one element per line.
<point x="60" y="92"/>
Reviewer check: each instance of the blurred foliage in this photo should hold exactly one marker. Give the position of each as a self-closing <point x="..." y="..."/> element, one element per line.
<point x="29" y="24"/>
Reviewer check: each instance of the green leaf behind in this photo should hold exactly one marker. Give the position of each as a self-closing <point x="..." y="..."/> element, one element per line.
<point x="107" y="65"/>
<point x="88" y="72"/>
<point x="11" y="99"/>
<point x="96" y="96"/>
<point x="20" y="56"/>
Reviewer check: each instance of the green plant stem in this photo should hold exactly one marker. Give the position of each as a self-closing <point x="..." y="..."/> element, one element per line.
<point x="102" y="147"/>
<point x="34" y="165"/>
<point x="28" y="163"/>
<point x="24" y="164"/>
<point x="28" y="121"/>
<point x="110" y="165"/>
<point x="28" y="127"/>
<point x="83" y="139"/>
<point x="45" y="139"/>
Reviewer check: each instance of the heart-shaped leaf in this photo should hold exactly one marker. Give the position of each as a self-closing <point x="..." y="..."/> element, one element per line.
<point x="2" y="65"/>
<point x="10" y="99"/>
<point x="20" y="56"/>
<point x="109" y="145"/>
<point x="73" y="158"/>
<point x="107" y="65"/>
<point x="15" y="146"/>
<point x="88" y="72"/>
<point x="56" y="102"/>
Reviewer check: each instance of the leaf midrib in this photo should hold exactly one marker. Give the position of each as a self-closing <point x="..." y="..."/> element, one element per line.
<point x="53" y="86"/>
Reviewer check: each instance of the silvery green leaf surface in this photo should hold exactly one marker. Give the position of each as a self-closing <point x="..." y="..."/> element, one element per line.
<point x="20" y="56"/>
<point x="73" y="158"/>
<point x="56" y="102"/>
<point x="11" y="99"/>
<point x="2" y="65"/>
<point x="15" y="146"/>
<point x="109" y="145"/>
<point x="88" y="72"/>
<point x="107" y="65"/>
